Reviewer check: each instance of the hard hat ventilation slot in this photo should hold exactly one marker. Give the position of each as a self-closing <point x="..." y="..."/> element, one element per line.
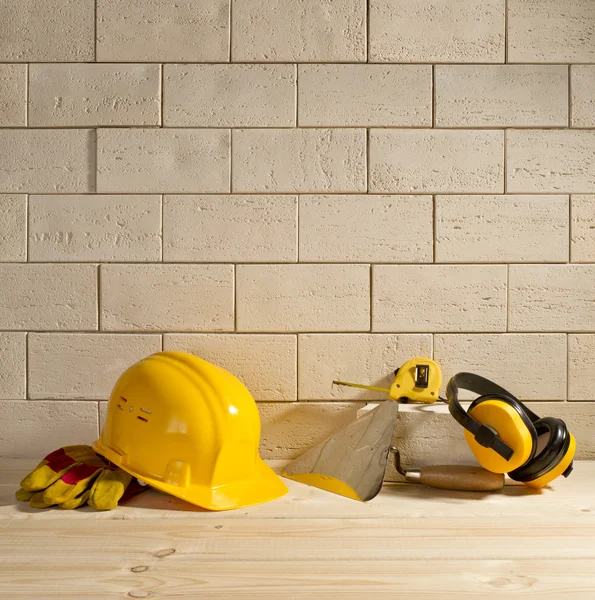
<point x="146" y="410"/>
<point x="143" y="419"/>
<point x="120" y="407"/>
<point x="123" y="399"/>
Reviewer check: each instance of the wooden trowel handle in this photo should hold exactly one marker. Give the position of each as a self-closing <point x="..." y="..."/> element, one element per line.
<point x="459" y="477"/>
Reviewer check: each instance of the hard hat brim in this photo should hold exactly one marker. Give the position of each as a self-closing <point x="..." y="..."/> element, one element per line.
<point x="264" y="486"/>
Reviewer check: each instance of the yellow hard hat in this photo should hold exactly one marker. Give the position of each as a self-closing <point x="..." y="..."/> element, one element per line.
<point x="190" y="429"/>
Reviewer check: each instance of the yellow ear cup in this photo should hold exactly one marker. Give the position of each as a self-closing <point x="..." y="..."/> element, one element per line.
<point x="511" y="429"/>
<point x="557" y="470"/>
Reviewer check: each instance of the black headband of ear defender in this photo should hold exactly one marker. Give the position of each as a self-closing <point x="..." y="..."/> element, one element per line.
<point x="485" y="435"/>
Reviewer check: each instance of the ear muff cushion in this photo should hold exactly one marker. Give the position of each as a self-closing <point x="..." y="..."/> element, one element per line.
<point x="513" y="427"/>
<point x="558" y="469"/>
<point x="551" y="455"/>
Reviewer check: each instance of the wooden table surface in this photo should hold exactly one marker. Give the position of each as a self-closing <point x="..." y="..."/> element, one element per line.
<point x="409" y="542"/>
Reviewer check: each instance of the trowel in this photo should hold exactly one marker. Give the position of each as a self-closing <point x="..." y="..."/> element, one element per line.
<point x="353" y="461"/>
<point x="451" y="477"/>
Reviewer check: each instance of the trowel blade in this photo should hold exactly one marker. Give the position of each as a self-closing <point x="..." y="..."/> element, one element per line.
<point x="352" y="462"/>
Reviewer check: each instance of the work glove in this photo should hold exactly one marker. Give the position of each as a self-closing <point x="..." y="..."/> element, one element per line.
<point x="73" y="476"/>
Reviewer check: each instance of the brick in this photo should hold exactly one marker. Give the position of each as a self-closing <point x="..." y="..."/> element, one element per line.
<point x="13" y="360"/>
<point x="167" y="297"/>
<point x="13" y="95"/>
<point x="299" y="160"/>
<point x="266" y="364"/>
<point x="32" y="429"/>
<point x="583" y="95"/>
<point x="358" y="228"/>
<point x="50" y="297"/>
<point x="162" y="31"/>
<point x="501" y="229"/>
<point x="94" y="228"/>
<point x="551" y="31"/>
<point x="551" y="298"/>
<point x="365" y="95"/>
<point x="530" y="366"/>
<point x="299" y="31"/>
<point x="449" y="162"/>
<point x="437" y="31"/>
<point x="289" y="429"/>
<point x="229" y="95"/>
<point x="579" y="419"/>
<point x="162" y="160"/>
<point x="550" y="161"/>
<point x="102" y="414"/>
<point x="47" y="31"/>
<point x="501" y="95"/>
<point x="13" y="228"/>
<point x="421" y="298"/>
<point x="230" y="228"/>
<point x="303" y="297"/>
<point x="360" y="358"/>
<point x="582" y="240"/>
<point x="47" y="160"/>
<point x="74" y="95"/>
<point x="581" y="367"/>
<point x="81" y="365"/>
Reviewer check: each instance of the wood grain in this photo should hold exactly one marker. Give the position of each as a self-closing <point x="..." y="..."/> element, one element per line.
<point x="411" y="541"/>
<point x="311" y="580"/>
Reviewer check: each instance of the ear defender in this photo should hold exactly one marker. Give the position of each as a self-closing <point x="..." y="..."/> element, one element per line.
<point x="506" y="437"/>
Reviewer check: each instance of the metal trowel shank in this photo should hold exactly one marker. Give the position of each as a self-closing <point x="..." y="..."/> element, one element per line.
<point x="352" y="462"/>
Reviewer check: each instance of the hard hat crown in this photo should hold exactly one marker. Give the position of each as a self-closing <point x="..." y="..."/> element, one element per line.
<point x="189" y="428"/>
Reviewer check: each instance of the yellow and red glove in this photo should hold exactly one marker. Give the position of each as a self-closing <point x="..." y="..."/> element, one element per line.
<point x="73" y="476"/>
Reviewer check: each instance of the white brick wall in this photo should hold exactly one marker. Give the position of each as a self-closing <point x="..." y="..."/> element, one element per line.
<point x="303" y="297"/>
<point x="237" y="228"/>
<point x="582" y="227"/>
<point x="94" y="95"/>
<point x="83" y="365"/>
<point x="501" y="229"/>
<point x="436" y="161"/>
<point x="583" y="95"/>
<point x="51" y="297"/>
<point x="365" y="95"/>
<point x="13" y="357"/>
<point x="550" y="161"/>
<point x="501" y="95"/>
<point x="298" y="31"/>
<point x="458" y="31"/>
<point x="13" y="95"/>
<point x="162" y="160"/>
<point x="557" y="32"/>
<point x="229" y="95"/>
<point x="167" y="297"/>
<point x="13" y="227"/>
<point x="439" y="298"/>
<point x="357" y="228"/>
<point x="47" y="161"/>
<point x="94" y="228"/>
<point x="299" y="160"/>
<point x="47" y="31"/>
<point x="297" y="190"/>
<point x="129" y="30"/>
